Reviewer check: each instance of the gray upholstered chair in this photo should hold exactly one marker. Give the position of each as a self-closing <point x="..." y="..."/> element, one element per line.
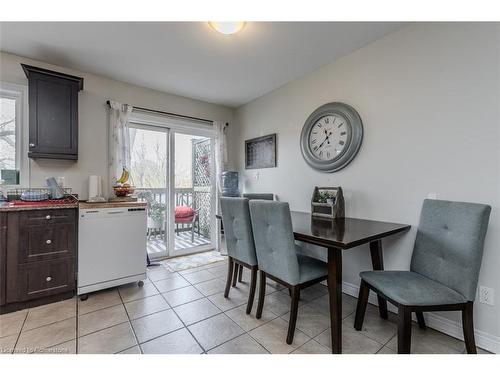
<point x="443" y="273"/>
<point x="277" y="256"/>
<point x="249" y="196"/>
<point x="264" y="196"/>
<point x="240" y="244"/>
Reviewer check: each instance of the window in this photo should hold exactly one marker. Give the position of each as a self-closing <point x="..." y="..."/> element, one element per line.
<point x="12" y="131"/>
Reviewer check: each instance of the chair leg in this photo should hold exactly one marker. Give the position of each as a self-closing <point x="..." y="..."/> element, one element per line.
<point x="235" y="274"/>
<point x="192" y="233"/>
<point x="293" y="314"/>
<point x="240" y="274"/>
<point x="251" y="294"/>
<point x="421" y="319"/>
<point x="262" y="294"/>
<point x="468" y="327"/>
<point x="404" y="330"/>
<point x="230" y="265"/>
<point x="364" y="292"/>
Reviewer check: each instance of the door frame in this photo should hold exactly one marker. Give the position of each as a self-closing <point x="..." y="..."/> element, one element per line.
<point x="173" y="125"/>
<point x="166" y="131"/>
<point x="213" y="200"/>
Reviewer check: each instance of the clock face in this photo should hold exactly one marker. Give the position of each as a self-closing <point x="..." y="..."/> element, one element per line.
<point x="331" y="137"/>
<point x="328" y="137"/>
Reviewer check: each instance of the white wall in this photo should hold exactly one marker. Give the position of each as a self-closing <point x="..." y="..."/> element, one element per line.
<point x="429" y="99"/>
<point x="93" y="119"/>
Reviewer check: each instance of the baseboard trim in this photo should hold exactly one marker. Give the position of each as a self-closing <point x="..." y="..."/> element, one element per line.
<point x="484" y="340"/>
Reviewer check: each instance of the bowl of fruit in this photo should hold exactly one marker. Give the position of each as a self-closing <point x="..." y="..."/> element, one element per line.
<point x="122" y="188"/>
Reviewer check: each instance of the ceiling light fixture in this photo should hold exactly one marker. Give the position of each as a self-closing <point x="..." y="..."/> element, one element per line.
<point x="227" y="28"/>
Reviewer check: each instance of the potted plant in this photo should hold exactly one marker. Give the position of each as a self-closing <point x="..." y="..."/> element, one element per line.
<point x="156" y="211"/>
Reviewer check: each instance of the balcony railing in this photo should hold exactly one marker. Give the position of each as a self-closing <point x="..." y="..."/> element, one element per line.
<point x="198" y="199"/>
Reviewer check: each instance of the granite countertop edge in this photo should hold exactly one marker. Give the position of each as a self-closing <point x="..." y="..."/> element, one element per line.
<point x="13" y="208"/>
<point x="86" y="205"/>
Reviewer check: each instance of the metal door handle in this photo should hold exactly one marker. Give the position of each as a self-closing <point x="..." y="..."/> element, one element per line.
<point x="48" y="278"/>
<point x="48" y="242"/>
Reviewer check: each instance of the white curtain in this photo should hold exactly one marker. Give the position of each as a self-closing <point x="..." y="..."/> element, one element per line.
<point x="220" y="166"/>
<point x="220" y="151"/>
<point x="119" y="140"/>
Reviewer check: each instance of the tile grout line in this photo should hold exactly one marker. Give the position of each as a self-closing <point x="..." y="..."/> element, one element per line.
<point x="48" y="324"/>
<point x="130" y="322"/>
<point x="185" y="326"/>
<point x="245" y="332"/>
<point x="20" y="331"/>
<point x="77" y="324"/>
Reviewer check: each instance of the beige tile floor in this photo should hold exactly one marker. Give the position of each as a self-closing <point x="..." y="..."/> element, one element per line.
<point x="186" y="312"/>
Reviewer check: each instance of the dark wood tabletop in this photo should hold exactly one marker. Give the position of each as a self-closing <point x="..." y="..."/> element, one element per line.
<point x="337" y="235"/>
<point x="342" y="233"/>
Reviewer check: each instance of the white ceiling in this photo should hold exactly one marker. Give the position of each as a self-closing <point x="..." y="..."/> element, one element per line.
<point x="189" y="58"/>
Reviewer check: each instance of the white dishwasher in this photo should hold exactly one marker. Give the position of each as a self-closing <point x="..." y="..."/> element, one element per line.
<point x="111" y="247"/>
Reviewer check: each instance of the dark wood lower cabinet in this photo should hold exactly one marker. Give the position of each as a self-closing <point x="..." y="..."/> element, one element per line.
<point x="3" y="257"/>
<point x="37" y="257"/>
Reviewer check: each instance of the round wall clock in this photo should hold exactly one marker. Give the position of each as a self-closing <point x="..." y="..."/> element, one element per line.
<point x="331" y="137"/>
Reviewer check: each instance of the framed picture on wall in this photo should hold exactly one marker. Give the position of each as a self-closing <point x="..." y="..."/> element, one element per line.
<point x="260" y="152"/>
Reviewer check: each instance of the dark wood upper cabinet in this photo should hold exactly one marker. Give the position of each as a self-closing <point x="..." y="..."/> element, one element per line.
<point x="53" y="113"/>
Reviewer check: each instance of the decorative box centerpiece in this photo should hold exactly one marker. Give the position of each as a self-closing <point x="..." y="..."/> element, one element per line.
<point x="328" y="202"/>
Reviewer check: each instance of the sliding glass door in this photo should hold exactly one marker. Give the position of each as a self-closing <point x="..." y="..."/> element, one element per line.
<point x="192" y="172"/>
<point x="149" y="174"/>
<point x="172" y="168"/>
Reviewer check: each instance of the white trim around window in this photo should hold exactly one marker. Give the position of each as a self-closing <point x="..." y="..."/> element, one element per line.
<point x="20" y="94"/>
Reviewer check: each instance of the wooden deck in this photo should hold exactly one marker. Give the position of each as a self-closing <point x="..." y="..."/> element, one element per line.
<point x="182" y="241"/>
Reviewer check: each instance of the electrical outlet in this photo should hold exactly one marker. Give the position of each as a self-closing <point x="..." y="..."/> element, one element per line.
<point x="486" y="295"/>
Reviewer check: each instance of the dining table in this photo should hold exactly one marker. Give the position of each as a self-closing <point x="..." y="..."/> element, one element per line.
<point x="336" y="235"/>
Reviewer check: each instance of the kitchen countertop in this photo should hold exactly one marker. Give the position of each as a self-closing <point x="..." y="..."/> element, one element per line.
<point x="10" y="207"/>
<point x="87" y="205"/>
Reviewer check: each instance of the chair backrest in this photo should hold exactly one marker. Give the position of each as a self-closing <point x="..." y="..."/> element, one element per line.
<point x="274" y="241"/>
<point x="238" y="229"/>
<point x="264" y="196"/>
<point x="449" y="244"/>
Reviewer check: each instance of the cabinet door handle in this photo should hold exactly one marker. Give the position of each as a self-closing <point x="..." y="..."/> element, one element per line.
<point x="48" y="242"/>
<point x="32" y="145"/>
<point x="48" y="278"/>
<point x="47" y="217"/>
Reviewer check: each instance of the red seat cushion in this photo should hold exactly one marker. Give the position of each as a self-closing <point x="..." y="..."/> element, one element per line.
<point x="188" y="219"/>
<point x="184" y="212"/>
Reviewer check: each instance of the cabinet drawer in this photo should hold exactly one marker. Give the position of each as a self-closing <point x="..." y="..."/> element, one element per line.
<point x="45" y="239"/>
<point x="47" y="217"/>
<point x="45" y="278"/>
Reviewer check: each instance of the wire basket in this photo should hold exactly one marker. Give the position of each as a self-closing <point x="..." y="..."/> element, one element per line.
<point x="13" y="194"/>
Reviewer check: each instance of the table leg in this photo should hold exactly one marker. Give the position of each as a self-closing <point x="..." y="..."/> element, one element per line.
<point x="335" y="294"/>
<point x="378" y="265"/>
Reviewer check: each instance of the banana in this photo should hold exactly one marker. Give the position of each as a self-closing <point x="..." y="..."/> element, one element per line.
<point x="124" y="177"/>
